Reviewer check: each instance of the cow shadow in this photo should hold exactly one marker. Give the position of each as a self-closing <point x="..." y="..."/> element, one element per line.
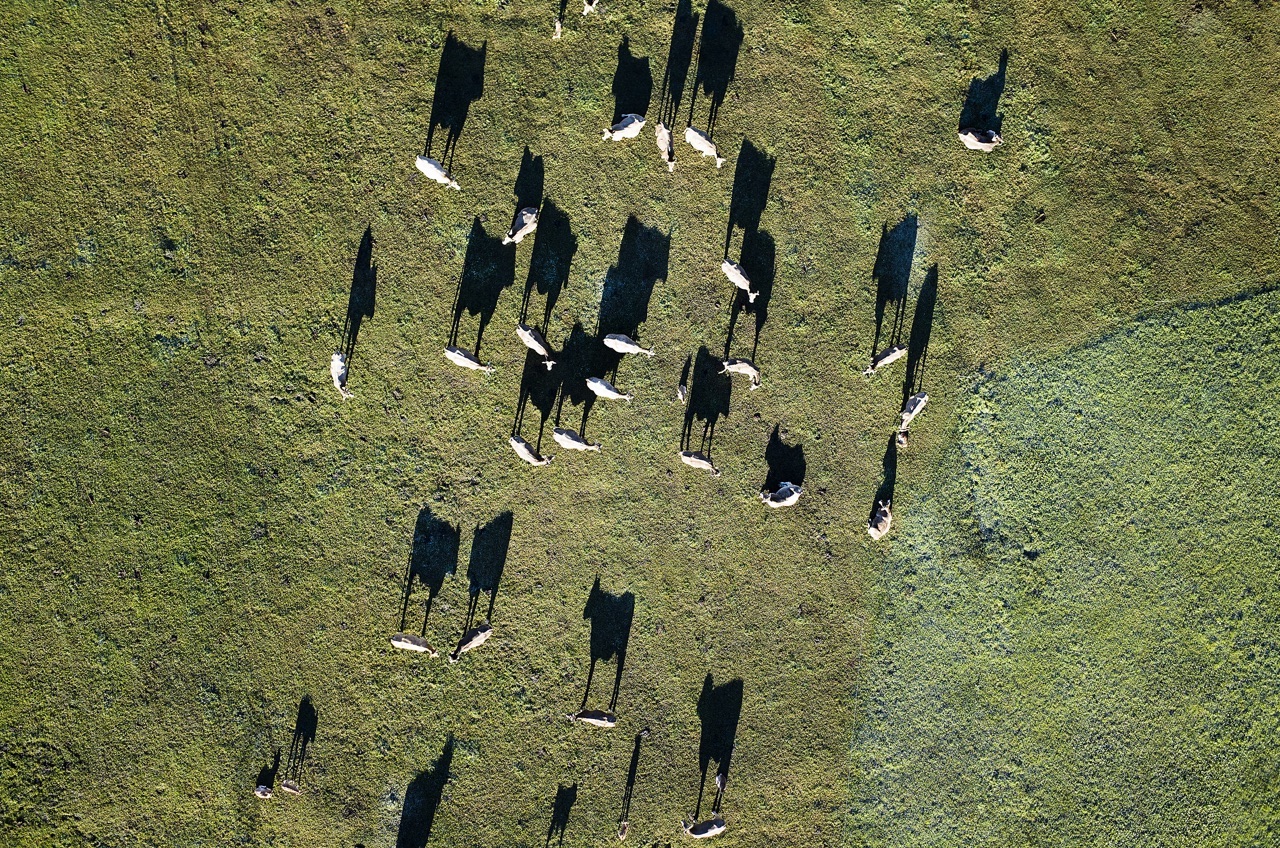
<point x="487" y="268"/>
<point x="632" y="84"/>
<point x="717" y="60"/>
<point x="759" y="261"/>
<point x="433" y="556"/>
<point x="752" y="175"/>
<point x="553" y="249"/>
<point x="981" y="109"/>
<point x="529" y="184"/>
<point x="643" y="257"/>
<point x="304" y="733"/>
<point x="921" y="330"/>
<point x="610" y="617"/>
<point x="267" y="774"/>
<point x="719" y="708"/>
<point x="684" y="33"/>
<point x="538" y="387"/>
<point x="489" y="546"/>
<point x="364" y="290"/>
<point x="581" y="356"/>
<point x="566" y="796"/>
<point x="786" y="462"/>
<point x="459" y="83"/>
<point x="632" y="770"/>
<point x="892" y="273"/>
<point x="421" y="800"/>
<point x="889" y="478"/>
<point x="708" y="400"/>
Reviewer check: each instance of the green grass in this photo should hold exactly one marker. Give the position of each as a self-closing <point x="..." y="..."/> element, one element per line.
<point x="184" y="190"/>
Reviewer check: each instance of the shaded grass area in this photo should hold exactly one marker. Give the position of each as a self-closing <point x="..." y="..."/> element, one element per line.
<point x="1078" y="640"/>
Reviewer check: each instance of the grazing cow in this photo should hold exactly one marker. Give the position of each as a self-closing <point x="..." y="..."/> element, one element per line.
<point x="472" y="639"/>
<point x="666" y="145"/>
<point x="745" y="367"/>
<point x="628" y="127"/>
<point x="603" y="388"/>
<point x="913" y="407"/>
<point x="338" y="371"/>
<point x="466" y="359"/>
<point x="556" y="37"/>
<point x="984" y="140"/>
<point x="536" y="342"/>
<point x="682" y="393"/>
<point x="713" y="826"/>
<point x="411" y="642"/>
<point x="787" y="495"/>
<point x="625" y="344"/>
<point x="435" y="171"/>
<point x="879" y="523"/>
<point x="595" y="718"/>
<point x="888" y="356"/>
<point x="570" y="440"/>
<point x="263" y="792"/>
<point x="589" y="6"/>
<point x="698" y="141"/>
<point x="525" y="451"/>
<point x="526" y="222"/>
<point x="738" y="277"/>
<point x="697" y="460"/>
<point x="291" y="787"/>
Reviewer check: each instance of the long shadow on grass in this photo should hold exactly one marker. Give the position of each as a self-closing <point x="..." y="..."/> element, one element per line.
<point x="625" y="816"/>
<point x="684" y="32"/>
<point x="719" y="708"/>
<point x="708" y="401"/>
<point x="758" y="260"/>
<point x="553" y="249"/>
<point x="892" y="273"/>
<point x="643" y="257"/>
<point x="487" y="269"/>
<point x="364" y="290"/>
<point x="566" y="796"/>
<point x="459" y="83"/>
<point x="422" y="799"/>
<point x="433" y="556"/>
<point x="981" y="109"/>
<point x="610" y="617"/>
<point x="304" y="733"/>
<point x="921" y="330"/>
<point x="717" y="60"/>
<point x="538" y="387"/>
<point x="889" y="478"/>
<point x="489" y="547"/>
<point x="752" y="175"/>
<point x="786" y="462"/>
<point x="632" y="83"/>
<point x="267" y="774"/>
<point x="582" y="356"/>
<point x="529" y="184"/>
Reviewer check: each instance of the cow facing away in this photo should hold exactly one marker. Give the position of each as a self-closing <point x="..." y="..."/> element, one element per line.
<point x="984" y="140"/>
<point x="466" y="359"/>
<point x="666" y="145"/>
<point x="913" y="407"/>
<point x="601" y="387"/>
<point x="744" y="367"/>
<point x="570" y="440"/>
<point x="338" y="371"/>
<point x="525" y="223"/>
<point x="413" y="642"/>
<point x="628" y="127"/>
<point x="787" y="495"/>
<point x="536" y="342"/>
<point x="696" y="460"/>
<point x="595" y="718"/>
<point x="435" y="171"/>
<point x="589" y="6"/>
<point x="888" y="356"/>
<point x="738" y="277"/>
<point x="713" y="826"/>
<point x="471" y="640"/>
<point x="625" y="344"/>
<point x="698" y="141"/>
<point x="525" y="451"/>
<point x="878" y="526"/>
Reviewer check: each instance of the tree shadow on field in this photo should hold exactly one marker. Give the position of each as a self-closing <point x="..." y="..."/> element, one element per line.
<point x="752" y="175"/>
<point x="489" y="546"/>
<point x="719" y="708"/>
<point x="717" y="60"/>
<point x="684" y="32"/>
<point x="786" y="462"/>
<point x="758" y="260"/>
<point x="487" y="269"/>
<point x="708" y="400"/>
<point x="459" y="83"/>
<point x="643" y="257"/>
<point x="892" y="273"/>
<point x="304" y="733"/>
<point x="566" y="796"/>
<point x="422" y="799"/>
<point x="433" y="556"/>
<point x="889" y="479"/>
<point x="921" y="330"/>
<point x="539" y="387"/>
<point x="610" y="617"/>
<point x="553" y="249"/>
<point x="982" y="104"/>
<point x="632" y="84"/>
<point x="364" y="290"/>
<point x="529" y="183"/>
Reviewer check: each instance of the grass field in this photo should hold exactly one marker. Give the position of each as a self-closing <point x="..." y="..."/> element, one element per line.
<point x="199" y="533"/>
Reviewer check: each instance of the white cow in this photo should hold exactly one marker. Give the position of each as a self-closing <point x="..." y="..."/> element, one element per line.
<point x="466" y="359"/>
<point x="745" y="367"/>
<point x="435" y="171"/>
<point x="291" y="787"/>
<point x="713" y="826"/>
<point x="888" y="356"/>
<point x="338" y="371"/>
<point x="698" y="141"/>
<point x="878" y="526"/>
<point x="525" y="451"/>
<point x="913" y="407"/>
<point x="738" y="277"/>
<point x="536" y="342"/>
<point x="589" y="6"/>
<point x="603" y="388"/>
<point x="984" y="140"/>
<point x="697" y="460"/>
<point x="595" y="718"/>
<point x="666" y="145"/>
<point x="526" y="222"/>
<point x="628" y="127"/>
<point x="625" y="344"/>
<point x="570" y="440"/>
<point x="412" y="642"/>
<point x="471" y="640"/>
<point x="682" y="393"/>
<point x="559" y="29"/>
<point x="787" y="495"/>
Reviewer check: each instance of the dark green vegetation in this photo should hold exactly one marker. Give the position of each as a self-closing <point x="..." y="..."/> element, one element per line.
<point x="199" y="532"/>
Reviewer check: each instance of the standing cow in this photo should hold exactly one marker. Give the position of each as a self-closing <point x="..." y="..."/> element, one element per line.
<point x="435" y="171"/>
<point x="699" y="141"/>
<point x="628" y="127"/>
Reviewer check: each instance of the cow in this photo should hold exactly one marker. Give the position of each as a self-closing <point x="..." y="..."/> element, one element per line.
<point x="745" y="367"/>
<point x="625" y="344"/>
<point x="666" y="146"/>
<point x="472" y="639"/>
<point x="435" y="171"/>
<point x="411" y="642"/>
<point x="570" y="440"/>
<point x="738" y="277"/>
<point x="628" y="127"/>
<point x="536" y="342"/>
<point x="682" y="393"/>
<point x="603" y="388"/>
<point x="525" y="451"/>
<point x="878" y="526"/>
<point x="913" y="407"/>
<point x="787" y="495"/>
<point x="888" y="356"/>
<point x="559" y="29"/>
<point x="984" y="140"/>
<point x="338" y="371"/>
<point x="291" y="787"/>
<point x="713" y="826"/>
<point x="698" y="141"/>
<point x="595" y="718"/>
<point x="589" y="6"/>
<point x="697" y="460"/>
<point x="526" y="222"/>
<point x="263" y="792"/>
<point x="466" y="359"/>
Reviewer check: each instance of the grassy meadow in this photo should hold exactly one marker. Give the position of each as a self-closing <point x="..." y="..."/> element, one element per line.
<point x="198" y="532"/>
